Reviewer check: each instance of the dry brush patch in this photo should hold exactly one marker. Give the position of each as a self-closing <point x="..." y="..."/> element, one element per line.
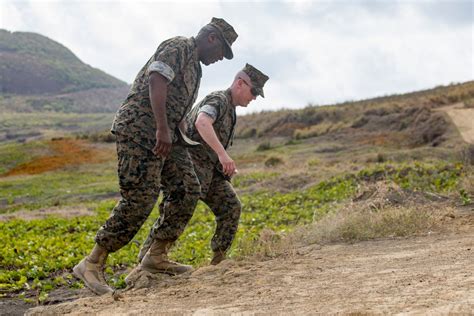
<point x="380" y="210"/>
<point x="66" y="152"/>
<point x="315" y="120"/>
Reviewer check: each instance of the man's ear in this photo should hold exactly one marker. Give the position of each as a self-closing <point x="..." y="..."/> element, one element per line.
<point x="212" y="37"/>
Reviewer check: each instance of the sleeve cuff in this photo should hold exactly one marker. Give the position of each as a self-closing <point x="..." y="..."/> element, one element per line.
<point x="161" y="68"/>
<point x="209" y="110"/>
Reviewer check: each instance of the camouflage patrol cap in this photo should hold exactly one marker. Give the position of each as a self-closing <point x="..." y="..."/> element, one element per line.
<point x="228" y="35"/>
<point x="258" y="78"/>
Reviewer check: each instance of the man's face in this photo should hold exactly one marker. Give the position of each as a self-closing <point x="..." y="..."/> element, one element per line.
<point x="246" y="92"/>
<point x="214" y="50"/>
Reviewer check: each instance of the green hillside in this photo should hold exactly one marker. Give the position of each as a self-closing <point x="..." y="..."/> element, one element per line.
<point x="32" y="64"/>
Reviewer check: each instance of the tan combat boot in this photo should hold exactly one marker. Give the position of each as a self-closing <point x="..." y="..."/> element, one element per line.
<point x="156" y="260"/>
<point x="91" y="271"/>
<point x="144" y="249"/>
<point x="218" y="257"/>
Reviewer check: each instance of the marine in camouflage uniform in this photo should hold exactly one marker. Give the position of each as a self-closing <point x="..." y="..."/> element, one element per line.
<point x="150" y="150"/>
<point x="216" y="115"/>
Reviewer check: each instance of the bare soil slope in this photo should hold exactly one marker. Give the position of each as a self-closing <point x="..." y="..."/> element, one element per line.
<point x="463" y="118"/>
<point x="418" y="275"/>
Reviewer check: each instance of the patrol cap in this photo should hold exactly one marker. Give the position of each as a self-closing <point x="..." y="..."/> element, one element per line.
<point x="228" y="35"/>
<point x="257" y="77"/>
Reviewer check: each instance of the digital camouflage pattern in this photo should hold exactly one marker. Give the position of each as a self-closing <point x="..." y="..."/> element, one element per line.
<point x="139" y="173"/>
<point x="181" y="191"/>
<point x="224" y="123"/>
<point x="216" y="191"/>
<point x="139" y="180"/>
<point x="177" y="60"/>
<point x="219" y="194"/>
<point x="228" y="35"/>
<point x="257" y="77"/>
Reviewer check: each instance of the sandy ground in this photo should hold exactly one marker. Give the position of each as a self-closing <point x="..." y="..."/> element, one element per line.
<point x="418" y="275"/>
<point x="463" y="118"/>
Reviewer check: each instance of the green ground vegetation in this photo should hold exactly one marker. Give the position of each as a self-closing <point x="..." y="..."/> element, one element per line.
<point x="57" y="188"/>
<point x="38" y="254"/>
<point x="284" y="183"/>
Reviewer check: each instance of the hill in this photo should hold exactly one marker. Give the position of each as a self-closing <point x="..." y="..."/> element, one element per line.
<point x="31" y="64"/>
<point x="38" y="74"/>
<point x="409" y="118"/>
<point x="46" y="91"/>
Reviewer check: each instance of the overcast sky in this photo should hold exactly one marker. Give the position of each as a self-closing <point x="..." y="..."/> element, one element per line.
<point x="315" y="52"/>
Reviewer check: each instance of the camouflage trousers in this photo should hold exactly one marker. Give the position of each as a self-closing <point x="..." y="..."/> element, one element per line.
<point x="140" y="175"/>
<point x="219" y="194"/>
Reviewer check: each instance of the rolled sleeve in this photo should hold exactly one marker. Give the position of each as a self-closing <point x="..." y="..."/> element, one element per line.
<point x="163" y="69"/>
<point x="209" y="110"/>
<point x="169" y="59"/>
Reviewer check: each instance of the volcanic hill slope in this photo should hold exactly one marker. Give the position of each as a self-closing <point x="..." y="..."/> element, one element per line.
<point x="46" y="91"/>
<point x="34" y="64"/>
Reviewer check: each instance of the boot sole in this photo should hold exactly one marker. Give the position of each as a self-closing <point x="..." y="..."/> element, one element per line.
<point x="164" y="271"/>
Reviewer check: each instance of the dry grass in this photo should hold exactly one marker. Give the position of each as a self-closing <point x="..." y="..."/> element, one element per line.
<point x="469" y="103"/>
<point x="467" y="155"/>
<point x="318" y="130"/>
<point x="348" y="224"/>
<point x="394" y="139"/>
<point x="273" y="161"/>
<point x="353" y="223"/>
<point x="317" y="119"/>
<point x="381" y="210"/>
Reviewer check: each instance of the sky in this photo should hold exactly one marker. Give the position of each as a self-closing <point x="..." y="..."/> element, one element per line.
<point x="315" y="52"/>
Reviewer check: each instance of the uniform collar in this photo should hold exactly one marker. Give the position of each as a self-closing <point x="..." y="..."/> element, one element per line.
<point x="228" y="94"/>
<point x="193" y="44"/>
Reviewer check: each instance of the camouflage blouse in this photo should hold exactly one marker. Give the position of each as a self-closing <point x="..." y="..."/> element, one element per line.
<point x="177" y="60"/>
<point x="217" y="105"/>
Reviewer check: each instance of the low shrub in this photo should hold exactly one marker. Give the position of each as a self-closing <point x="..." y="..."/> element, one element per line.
<point x="264" y="146"/>
<point x="273" y="161"/>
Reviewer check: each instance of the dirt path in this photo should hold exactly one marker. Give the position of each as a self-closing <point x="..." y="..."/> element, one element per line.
<point x="431" y="274"/>
<point x="65" y="212"/>
<point x="463" y="118"/>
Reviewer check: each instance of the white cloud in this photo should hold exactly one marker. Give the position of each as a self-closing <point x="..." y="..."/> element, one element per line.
<point x="314" y="51"/>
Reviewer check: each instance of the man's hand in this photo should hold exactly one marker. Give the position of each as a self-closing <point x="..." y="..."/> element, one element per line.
<point x="228" y="165"/>
<point x="163" y="143"/>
